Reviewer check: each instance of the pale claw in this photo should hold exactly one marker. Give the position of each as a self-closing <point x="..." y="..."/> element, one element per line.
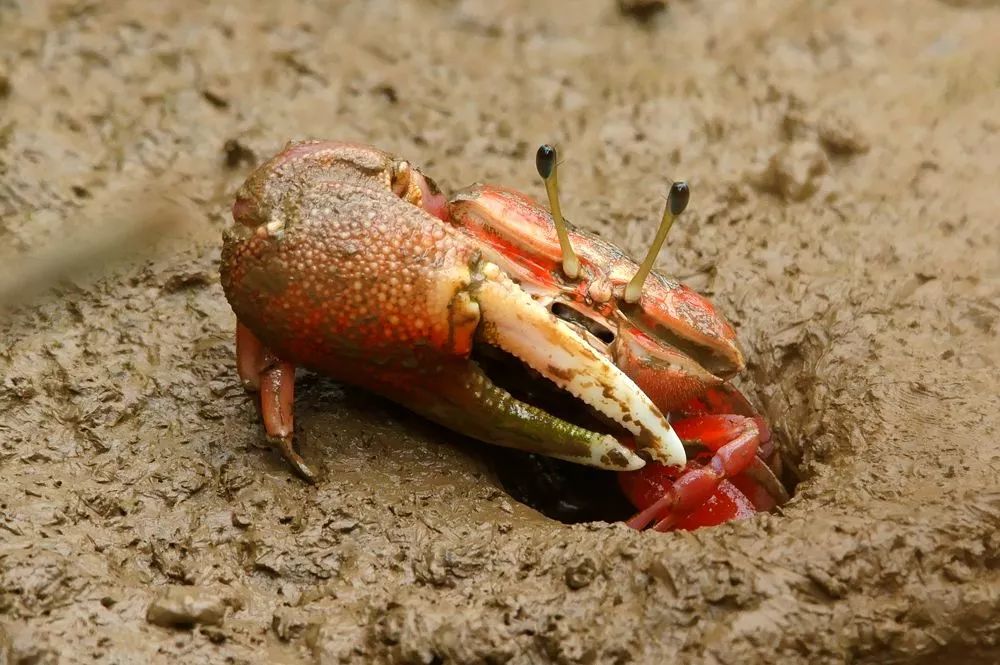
<point x="514" y="322"/>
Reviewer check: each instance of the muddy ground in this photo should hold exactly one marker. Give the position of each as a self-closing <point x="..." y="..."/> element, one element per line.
<point x="844" y="165"/>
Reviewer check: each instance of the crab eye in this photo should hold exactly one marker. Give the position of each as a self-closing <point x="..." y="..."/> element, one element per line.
<point x="677" y="199"/>
<point x="546" y="163"/>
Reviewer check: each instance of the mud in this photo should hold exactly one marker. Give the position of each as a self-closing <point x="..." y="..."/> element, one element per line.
<point x="843" y="164"/>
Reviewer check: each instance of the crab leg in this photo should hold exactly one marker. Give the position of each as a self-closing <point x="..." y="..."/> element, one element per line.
<point x="249" y="357"/>
<point x="277" y="397"/>
<point x="274" y="379"/>
<point x="734" y="439"/>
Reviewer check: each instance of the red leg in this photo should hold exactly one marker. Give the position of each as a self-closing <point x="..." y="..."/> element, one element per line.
<point x="722" y="420"/>
<point x="249" y="357"/>
<point x="734" y="440"/>
<point x="724" y="399"/>
<point x="262" y="371"/>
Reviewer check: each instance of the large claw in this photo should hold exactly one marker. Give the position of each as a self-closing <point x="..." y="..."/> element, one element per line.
<point x="514" y="322"/>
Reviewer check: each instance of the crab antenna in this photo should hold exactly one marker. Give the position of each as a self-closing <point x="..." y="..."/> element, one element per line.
<point x="677" y="200"/>
<point x="545" y="161"/>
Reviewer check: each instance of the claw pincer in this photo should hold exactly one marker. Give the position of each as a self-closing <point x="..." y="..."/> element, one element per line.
<point x="349" y="262"/>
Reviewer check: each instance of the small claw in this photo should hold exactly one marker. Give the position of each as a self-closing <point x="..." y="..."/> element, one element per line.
<point x="514" y="322"/>
<point x="688" y="492"/>
<point x="734" y="442"/>
<point x="726" y="504"/>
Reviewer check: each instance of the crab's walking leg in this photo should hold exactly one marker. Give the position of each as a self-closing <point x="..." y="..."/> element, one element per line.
<point x="277" y="399"/>
<point x="262" y="371"/>
<point x="249" y="357"/>
<point x="726" y="400"/>
<point x="734" y="440"/>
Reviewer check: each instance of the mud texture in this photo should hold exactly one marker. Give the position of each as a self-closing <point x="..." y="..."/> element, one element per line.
<point x="844" y="166"/>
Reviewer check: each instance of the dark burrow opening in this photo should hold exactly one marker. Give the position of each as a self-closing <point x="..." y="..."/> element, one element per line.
<point x="567" y="492"/>
<point x="563" y="491"/>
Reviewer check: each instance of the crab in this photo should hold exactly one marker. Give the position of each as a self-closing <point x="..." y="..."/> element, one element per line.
<point x="492" y="316"/>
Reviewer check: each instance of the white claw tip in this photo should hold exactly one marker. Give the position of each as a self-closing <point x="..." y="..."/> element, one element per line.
<point x="674" y="449"/>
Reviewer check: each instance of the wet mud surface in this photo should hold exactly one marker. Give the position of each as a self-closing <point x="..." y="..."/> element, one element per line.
<point x="843" y="166"/>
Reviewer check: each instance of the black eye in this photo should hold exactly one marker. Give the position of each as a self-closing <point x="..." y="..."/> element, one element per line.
<point x="678" y="197"/>
<point x="545" y="160"/>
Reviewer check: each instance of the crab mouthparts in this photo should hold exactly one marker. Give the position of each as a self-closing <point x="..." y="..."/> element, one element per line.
<point x="521" y="327"/>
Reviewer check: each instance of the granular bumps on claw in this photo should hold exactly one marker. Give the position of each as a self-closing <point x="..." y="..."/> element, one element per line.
<point x="337" y="264"/>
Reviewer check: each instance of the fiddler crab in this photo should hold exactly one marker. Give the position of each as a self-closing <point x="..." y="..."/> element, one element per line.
<point x="495" y="318"/>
